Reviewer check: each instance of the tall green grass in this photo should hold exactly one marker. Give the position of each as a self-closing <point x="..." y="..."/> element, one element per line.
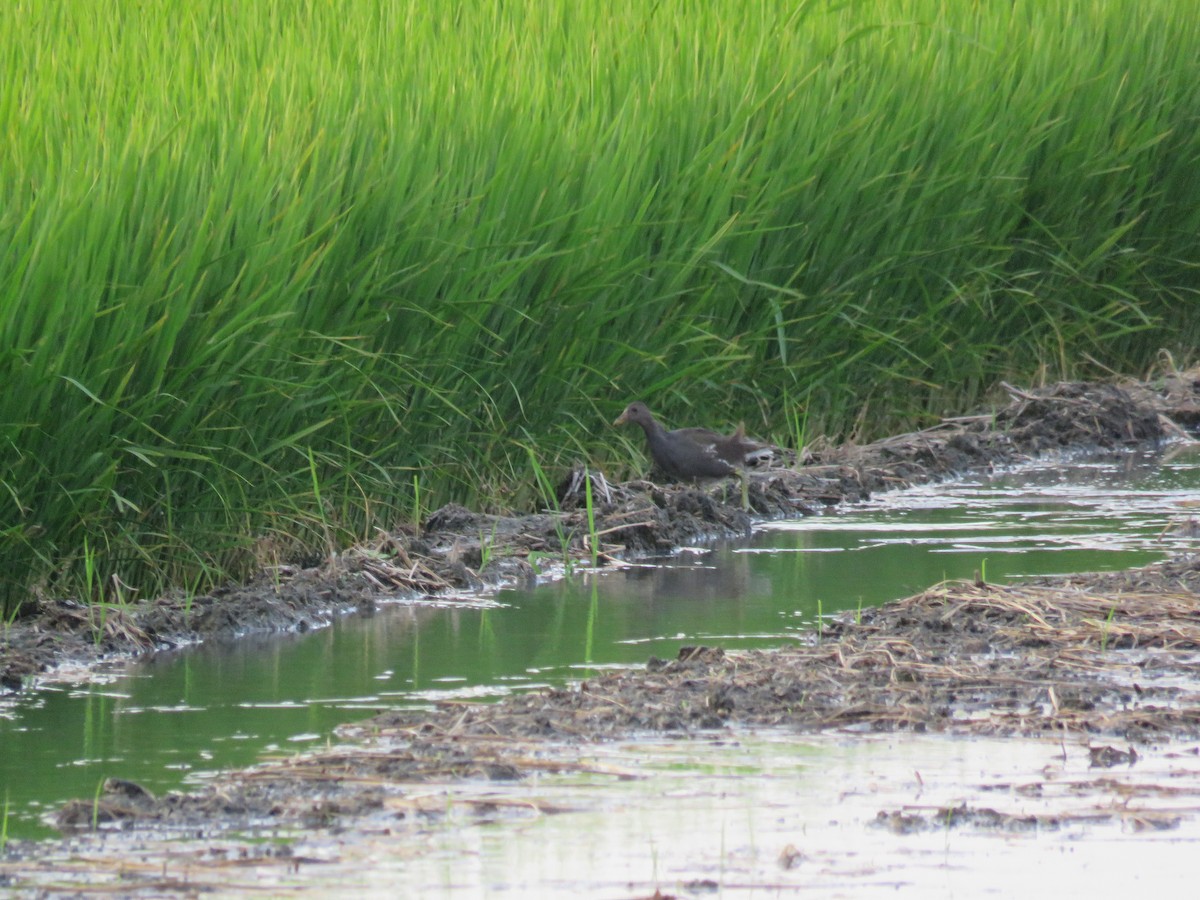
<point x="269" y="267"/>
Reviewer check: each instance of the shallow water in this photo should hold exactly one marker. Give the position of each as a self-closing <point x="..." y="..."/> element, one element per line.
<point x="172" y="720"/>
<point x="768" y="814"/>
<point x="748" y="814"/>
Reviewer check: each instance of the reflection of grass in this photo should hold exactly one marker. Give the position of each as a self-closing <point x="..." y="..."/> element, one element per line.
<point x="487" y="635"/>
<point x="416" y="658"/>
<point x="4" y="825"/>
<point x="593" y="614"/>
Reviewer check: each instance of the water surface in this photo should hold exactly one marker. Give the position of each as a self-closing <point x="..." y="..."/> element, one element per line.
<point x="172" y="720"/>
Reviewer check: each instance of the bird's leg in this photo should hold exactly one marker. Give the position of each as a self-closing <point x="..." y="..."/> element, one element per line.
<point x="744" y="477"/>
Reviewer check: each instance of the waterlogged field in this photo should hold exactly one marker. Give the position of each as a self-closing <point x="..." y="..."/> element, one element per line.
<point x="278" y="273"/>
<point x="740" y="811"/>
<point x="171" y="722"/>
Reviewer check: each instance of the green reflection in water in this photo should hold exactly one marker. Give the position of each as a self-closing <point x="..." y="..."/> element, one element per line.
<point x="227" y="706"/>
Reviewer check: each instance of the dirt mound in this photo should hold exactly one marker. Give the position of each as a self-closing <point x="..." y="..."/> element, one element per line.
<point x="1073" y="415"/>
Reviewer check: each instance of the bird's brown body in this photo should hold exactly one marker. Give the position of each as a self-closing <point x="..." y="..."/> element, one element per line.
<point x="688" y="454"/>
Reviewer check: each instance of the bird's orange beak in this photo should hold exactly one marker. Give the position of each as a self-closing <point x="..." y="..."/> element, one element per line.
<point x="620" y="420"/>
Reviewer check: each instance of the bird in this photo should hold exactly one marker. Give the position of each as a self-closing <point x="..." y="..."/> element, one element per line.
<point x="689" y="454"/>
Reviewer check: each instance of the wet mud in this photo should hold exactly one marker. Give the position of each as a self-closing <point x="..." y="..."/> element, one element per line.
<point x="1105" y="659"/>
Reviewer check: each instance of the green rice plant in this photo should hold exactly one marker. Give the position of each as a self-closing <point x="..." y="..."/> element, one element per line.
<point x="191" y="593"/>
<point x="89" y="571"/>
<point x="416" y="501"/>
<point x="96" y="805"/>
<point x="486" y="545"/>
<point x="593" y="539"/>
<point x="550" y="502"/>
<point x="1104" y="629"/>
<point x="242" y="299"/>
<point x="319" y="506"/>
<point x="100" y="627"/>
<point x="536" y="558"/>
<point x="796" y="423"/>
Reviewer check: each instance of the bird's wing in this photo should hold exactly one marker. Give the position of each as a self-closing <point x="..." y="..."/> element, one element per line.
<point x="702" y="437"/>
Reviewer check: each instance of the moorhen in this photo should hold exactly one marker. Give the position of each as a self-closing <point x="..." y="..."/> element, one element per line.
<point x="687" y="454"/>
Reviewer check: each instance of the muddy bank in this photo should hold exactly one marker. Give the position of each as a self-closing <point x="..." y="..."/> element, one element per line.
<point x="457" y="549"/>
<point x="1107" y="659"/>
<point x="1100" y="656"/>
